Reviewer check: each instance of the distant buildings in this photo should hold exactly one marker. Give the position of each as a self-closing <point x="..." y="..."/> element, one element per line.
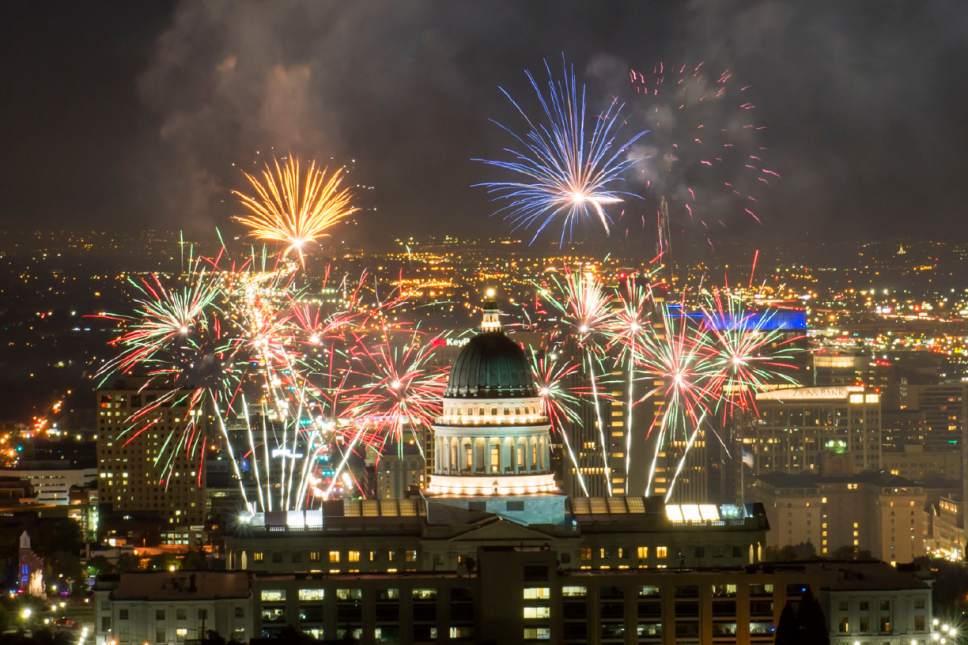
<point x="51" y="482"/>
<point x="883" y="515"/>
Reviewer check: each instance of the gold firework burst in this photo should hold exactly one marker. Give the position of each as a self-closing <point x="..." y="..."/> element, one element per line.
<point x="294" y="208"/>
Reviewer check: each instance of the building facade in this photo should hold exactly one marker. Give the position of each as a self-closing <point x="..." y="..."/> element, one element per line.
<point x="128" y="477"/>
<point x="881" y="514"/>
<point x="815" y="430"/>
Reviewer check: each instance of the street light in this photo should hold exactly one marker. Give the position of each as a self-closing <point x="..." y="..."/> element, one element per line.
<point x="26" y="613"/>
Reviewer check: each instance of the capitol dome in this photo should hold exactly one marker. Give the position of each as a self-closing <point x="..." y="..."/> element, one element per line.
<point x="490" y="366"/>
<point x="492" y="439"/>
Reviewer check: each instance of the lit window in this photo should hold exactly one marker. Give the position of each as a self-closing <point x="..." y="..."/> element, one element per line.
<point x="314" y="556"/>
<point x="574" y="592"/>
<point x="534" y="613"/>
<point x="537" y="633"/>
<point x="642" y="552"/>
<point x="649" y="591"/>
<point x="353" y="556"/>
<point x="349" y="594"/>
<point x="661" y="552"/>
<point x="258" y="556"/>
<point x="273" y="595"/>
<point x="312" y="594"/>
<point x="424" y="593"/>
<point x="536" y="593"/>
<point x="334" y="556"/>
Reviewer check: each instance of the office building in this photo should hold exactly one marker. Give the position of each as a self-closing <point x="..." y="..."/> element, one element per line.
<point x="815" y="430"/>
<point x="51" y="481"/>
<point x="129" y="479"/>
<point x="883" y="515"/>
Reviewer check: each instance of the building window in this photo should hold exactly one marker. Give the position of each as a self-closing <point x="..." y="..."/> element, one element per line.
<point x="161" y="636"/>
<point x="334" y="557"/>
<point x="661" y="552"/>
<point x="586" y="553"/>
<point x="537" y="633"/>
<point x="312" y="594"/>
<point x="574" y="591"/>
<point x="159" y="614"/>
<point x="536" y="593"/>
<point x="257" y="556"/>
<point x="536" y="613"/>
<point x="267" y="595"/>
<point x="314" y="556"/>
<point x="181" y="614"/>
<point x="424" y="593"/>
<point x="649" y="591"/>
<point x="123" y="614"/>
<point x="642" y="552"/>
<point x="349" y="594"/>
<point x="353" y="556"/>
<point x="411" y="555"/>
<point x="844" y="626"/>
<point x="240" y="612"/>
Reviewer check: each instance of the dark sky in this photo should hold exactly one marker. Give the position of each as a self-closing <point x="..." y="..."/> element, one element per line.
<point x="128" y="115"/>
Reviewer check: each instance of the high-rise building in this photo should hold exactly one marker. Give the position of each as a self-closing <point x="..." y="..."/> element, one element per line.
<point x="815" y="430"/>
<point x="129" y="479"/>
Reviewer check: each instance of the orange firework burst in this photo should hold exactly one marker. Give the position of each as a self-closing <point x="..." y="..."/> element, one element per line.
<point x="292" y="207"/>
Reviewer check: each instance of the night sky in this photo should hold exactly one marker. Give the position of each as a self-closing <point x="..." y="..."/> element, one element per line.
<point x="129" y="115"/>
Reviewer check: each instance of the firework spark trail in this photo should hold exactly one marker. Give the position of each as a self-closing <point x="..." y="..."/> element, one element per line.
<point x="294" y="208"/>
<point x="705" y="144"/>
<point x="561" y="170"/>
<point x="627" y="330"/>
<point x="677" y="353"/>
<point x="585" y="307"/>
<point x="685" y="453"/>
<point x="558" y="402"/>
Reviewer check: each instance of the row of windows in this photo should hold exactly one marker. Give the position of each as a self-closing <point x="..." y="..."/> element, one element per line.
<point x="336" y="556"/>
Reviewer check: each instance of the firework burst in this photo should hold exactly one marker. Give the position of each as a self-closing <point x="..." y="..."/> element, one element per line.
<point x="749" y="352"/>
<point x="569" y="163"/>
<point x="704" y="154"/>
<point x="676" y="353"/>
<point x="402" y="390"/>
<point x="292" y="207"/>
<point x="186" y="351"/>
<point x="559" y="401"/>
